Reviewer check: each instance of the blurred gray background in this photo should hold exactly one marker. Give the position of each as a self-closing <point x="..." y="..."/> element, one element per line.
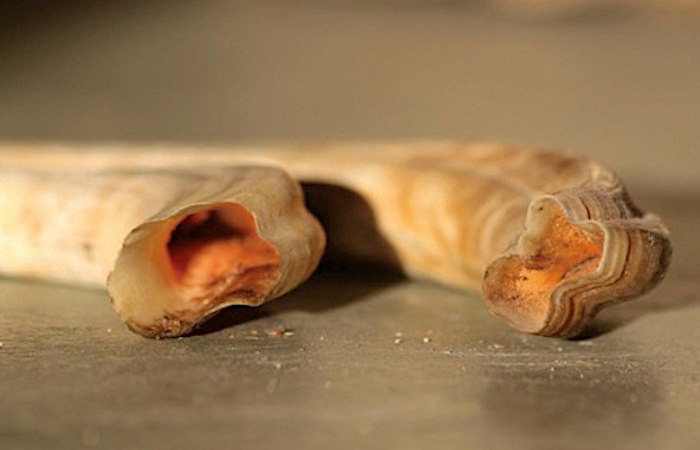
<point x="610" y="80"/>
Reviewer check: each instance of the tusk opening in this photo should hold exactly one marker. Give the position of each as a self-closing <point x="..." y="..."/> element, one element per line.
<point x="217" y="252"/>
<point x="520" y="288"/>
<point x="176" y="273"/>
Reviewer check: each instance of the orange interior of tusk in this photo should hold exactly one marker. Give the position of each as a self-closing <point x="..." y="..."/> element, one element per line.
<point x="217" y="252"/>
<point x="523" y="286"/>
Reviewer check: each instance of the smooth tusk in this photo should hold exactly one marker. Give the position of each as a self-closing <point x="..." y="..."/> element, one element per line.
<point x="548" y="237"/>
<point x="176" y="246"/>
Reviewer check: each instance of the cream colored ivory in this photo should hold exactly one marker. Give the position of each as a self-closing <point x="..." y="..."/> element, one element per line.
<point x="180" y="245"/>
<point x="550" y="238"/>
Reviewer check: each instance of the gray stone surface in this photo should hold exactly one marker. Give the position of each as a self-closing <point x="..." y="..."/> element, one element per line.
<point x="368" y="360"/>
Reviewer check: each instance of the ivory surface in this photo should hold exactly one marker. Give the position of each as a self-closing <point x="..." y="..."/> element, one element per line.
<point x="548" y="237"/>
<point x="174" y="247"/>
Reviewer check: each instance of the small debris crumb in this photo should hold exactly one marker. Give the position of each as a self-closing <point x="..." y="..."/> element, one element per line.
<point x="109" y="330"/>
<point x="277" y="332"/>
<point x="497" y="346"/>
<point x="398" y="334"/>
<point x="277" y="364"/>
<point x="585" y="343"/>
<point x="2" y="344"/>
<point x="328" y="384"/>
<point x="254" y="332"/>
<point x="426" y="340"/>
<point x="559" y="349"/>
<point x="397" y="341"/>
<point x="321" y="338"/>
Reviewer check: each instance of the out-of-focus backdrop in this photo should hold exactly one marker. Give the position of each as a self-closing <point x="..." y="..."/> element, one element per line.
<point x="367" y="360"/>
<point x="618" y="80"/>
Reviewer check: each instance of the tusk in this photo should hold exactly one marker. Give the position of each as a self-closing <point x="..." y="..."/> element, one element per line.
<point x="175" y="246"/>
<point x="549" y="238"/>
